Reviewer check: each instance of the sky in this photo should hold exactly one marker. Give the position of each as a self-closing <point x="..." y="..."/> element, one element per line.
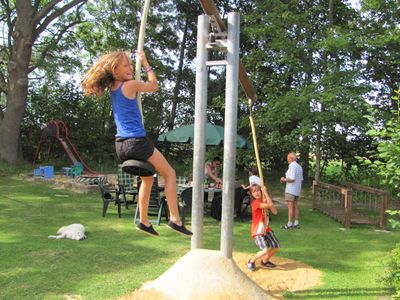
<point x="355" y="3"/>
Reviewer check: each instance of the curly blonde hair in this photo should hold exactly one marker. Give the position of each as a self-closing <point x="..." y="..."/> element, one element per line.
<point x="101" y="75"/>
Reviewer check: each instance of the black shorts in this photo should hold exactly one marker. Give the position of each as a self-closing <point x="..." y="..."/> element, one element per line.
<point x="134" y="148"/>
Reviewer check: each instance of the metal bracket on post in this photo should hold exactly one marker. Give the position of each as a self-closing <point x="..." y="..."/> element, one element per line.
<point x="217" y="40"/>
<point x="216" y="63"/>
<point x="214" y="24"/>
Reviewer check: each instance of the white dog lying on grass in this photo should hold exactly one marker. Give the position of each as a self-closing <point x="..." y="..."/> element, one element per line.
<point x="73" y="232"/>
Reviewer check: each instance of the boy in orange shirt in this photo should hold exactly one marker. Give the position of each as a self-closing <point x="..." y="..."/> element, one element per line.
<point x="262" y="234"/>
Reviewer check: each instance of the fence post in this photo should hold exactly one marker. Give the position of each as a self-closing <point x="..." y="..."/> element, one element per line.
<point x="384" y="204"/>
<point x="314" y="193"/>
<point x="347" y="207"/>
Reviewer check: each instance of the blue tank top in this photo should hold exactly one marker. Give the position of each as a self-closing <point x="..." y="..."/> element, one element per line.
<point x="127" y="116"/>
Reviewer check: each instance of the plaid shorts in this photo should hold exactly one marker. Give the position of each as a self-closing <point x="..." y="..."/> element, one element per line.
<point x="268" y="240"/>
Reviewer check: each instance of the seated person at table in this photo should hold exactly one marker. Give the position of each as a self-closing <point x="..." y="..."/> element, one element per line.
<point x="244" y="196"/>
<point x="211" y="170"/>
<point x="253" y="179"/>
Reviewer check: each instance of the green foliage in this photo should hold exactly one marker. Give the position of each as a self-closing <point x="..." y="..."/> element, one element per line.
<point x="337" y="172"/>
<point x="395" y="223"/>
<point x="393" y="276"/>
<point x="8" y="170"/>
<point x="304" y="59"/>
<point x="386" y="159"/>
<point x="380" y="42"/>
<point x="385" y="162"/>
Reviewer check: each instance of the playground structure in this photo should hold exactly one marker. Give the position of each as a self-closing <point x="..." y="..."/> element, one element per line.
<point x="58" y="130"/>
<point x="351" y="203"/>
<point x="201" y="273"/>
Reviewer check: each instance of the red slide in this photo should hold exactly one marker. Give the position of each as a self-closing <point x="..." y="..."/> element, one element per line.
<point x="58" y="130"/>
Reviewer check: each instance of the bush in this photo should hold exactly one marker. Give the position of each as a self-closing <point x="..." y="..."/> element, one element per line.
<point x="385" y="162"/>
<point x="393" y="277"/>
<point x="394" y="221"/>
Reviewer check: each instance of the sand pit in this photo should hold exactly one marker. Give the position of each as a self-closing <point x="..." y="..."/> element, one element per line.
<point x="207" y="274"/>
<point x="289" y="275"/>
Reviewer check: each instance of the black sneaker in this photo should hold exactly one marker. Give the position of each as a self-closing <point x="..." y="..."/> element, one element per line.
<point x="251" y="266"/>
<point x="268" y="264"/>
<point x="297" y="226"/>
<point x="180" y="229"/>
<point x="147" y="229"/>
<point x="287" y="227"/>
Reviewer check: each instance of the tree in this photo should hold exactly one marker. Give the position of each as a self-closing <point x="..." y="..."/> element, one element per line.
<point x="306" y="70"/>
<point x="386" y="159"/>
<point x="379" y="39"/>
<point x="34" y="28"/>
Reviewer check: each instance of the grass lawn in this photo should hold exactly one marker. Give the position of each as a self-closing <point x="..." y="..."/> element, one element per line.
<point x="116" y="258"/>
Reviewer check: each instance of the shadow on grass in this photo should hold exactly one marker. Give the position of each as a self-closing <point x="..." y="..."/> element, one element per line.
<point x="372" y="293"/>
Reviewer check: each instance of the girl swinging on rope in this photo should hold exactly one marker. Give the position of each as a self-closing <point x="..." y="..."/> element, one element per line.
<point x="113" y="72"/>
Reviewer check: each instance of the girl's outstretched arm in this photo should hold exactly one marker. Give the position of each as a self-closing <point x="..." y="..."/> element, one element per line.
<point x="132" y="87"/>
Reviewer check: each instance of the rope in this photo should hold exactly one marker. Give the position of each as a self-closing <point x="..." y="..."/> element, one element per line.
<point x="140" y="49"/>
<point x="253" y="131"/>
<point x="260" y="173"/>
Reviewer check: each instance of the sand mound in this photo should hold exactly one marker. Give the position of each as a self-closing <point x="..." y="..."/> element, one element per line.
<point x="289" y="275"/>
<point x="207" y="274"/>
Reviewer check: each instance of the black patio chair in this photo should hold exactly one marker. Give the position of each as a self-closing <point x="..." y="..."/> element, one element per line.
<point x="109" y="194"/>
<point x="157" y="204"/>
<point x="242" y="202"/>
<point x="186" y="197"/>
<point x="126" y="187"/>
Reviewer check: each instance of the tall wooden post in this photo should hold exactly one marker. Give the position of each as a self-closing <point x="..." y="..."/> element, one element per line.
<point x="347" y="207"/>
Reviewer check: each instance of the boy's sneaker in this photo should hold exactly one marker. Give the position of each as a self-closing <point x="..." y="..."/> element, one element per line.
<point x="297" y="226"/>
<point x="268" y="264"/>
<point x="287" y="227"/>
<point x="251" y="266"/>
<point x="147" y="229"/>
<point x="180" y="229"/>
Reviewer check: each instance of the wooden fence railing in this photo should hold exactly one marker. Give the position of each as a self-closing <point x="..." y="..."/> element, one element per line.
<point x="351" y="203"/>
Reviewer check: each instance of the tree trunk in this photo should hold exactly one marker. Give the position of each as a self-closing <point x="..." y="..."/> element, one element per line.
<point x="320" y="125"/>
<point x="304" y="157"/>
<point x="18" y="69"/>
<point x="171" y="119"/>
<point x="318" y="152"/>
<point x="306" y="142"/>
<point x="30" y="22"/>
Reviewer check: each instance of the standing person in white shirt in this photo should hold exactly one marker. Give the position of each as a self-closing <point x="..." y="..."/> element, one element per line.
<point x="294" y="181"/>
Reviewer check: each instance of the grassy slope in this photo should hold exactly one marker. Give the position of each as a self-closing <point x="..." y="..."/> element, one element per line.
<point x="116" y="258"/>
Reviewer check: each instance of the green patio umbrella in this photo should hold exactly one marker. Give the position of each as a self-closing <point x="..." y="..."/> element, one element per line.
<point x="214" y="136"/>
